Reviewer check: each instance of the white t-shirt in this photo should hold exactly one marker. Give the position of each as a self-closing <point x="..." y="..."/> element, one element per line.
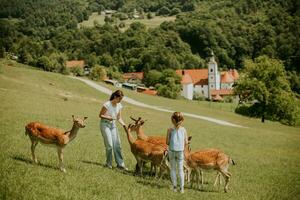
<point x="112" y="111"/>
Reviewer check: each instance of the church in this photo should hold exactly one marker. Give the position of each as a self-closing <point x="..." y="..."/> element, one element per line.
<point x="209" y="82"/>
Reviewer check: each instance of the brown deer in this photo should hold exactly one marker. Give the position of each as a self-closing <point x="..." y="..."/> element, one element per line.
<point x="144" y="151"/>
<point x="159" y="140"/>
<point x="58" y="138"/>
<point x="152" y="139"/>
<point x="209" y="159"/>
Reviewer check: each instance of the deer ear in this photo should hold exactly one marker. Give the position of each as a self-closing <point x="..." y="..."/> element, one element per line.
<point x="73" y="117"/>
<point x="85" y="118"/>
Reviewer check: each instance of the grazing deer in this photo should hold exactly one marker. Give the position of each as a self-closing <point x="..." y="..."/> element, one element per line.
<point x="144" y="151"/>
<point x="58" y="138"/>
<point x="209" y="159"/>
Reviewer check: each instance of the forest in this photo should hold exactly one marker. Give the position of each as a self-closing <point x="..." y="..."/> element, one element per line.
<point x="45" y="34"/>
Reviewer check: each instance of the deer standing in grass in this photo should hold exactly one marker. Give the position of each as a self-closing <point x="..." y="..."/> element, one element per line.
<point x="208" y="159"/>
<point x="58" y="138"/>
<point x="158" y="140"/>
<point x="144" y="151"/>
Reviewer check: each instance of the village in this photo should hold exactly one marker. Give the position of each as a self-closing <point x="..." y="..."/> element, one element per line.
<point x="210" y="83"/>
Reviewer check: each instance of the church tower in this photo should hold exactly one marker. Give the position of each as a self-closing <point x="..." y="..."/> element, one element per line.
<point x="213" y="75"/>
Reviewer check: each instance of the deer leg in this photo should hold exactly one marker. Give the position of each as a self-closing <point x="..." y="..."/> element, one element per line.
<point x="218" y="178"/>
<point x="194" y="177"/>
<point x="60" y="158"/>
<point x="140" y="165"/>
<point x="226" y="176"/>
<point x="202" y="181"/>
<point x="33" y="145"/>
<point x="199" y="175"/>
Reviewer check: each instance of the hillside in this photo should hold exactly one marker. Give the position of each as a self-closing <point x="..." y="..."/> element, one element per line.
<point x="267" y="154"/>
<point x="234" y="30"/>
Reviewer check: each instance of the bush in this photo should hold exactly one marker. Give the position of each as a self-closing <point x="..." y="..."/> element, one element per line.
<point x="98" y="73"/>
<point x="175" y="11"/>
<point x="122" y="25"/>
<point x="198" y="97"/>
<point x="228" y="99"/>
<point x="149" y="15"/>
<point x="77" y="71"/>
<point x="113" y="73"/>
<point x="164" y="11"/>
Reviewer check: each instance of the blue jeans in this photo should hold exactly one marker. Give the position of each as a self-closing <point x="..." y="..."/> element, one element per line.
<point x="112" y="142"/>
<point x="176" y="158"/>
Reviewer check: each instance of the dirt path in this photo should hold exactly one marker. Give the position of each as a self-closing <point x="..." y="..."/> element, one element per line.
<point x="137" y="103"/>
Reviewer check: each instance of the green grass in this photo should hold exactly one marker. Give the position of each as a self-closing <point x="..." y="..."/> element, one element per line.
<point x="267" y="155"/>
<point x="150" y="23"/>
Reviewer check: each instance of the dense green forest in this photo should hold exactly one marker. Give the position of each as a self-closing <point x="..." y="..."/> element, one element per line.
<point x="44" y="33"/>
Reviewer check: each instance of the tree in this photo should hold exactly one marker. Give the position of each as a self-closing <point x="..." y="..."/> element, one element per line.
<point x="152" y="78"/>
<point x="98" y="73"/>
<point x="44" y="63"/>
<point x="264" y="83"/>
<point x="77" y="71"/>
<point x="164" y="11"/>
<point x="169" y="84"/>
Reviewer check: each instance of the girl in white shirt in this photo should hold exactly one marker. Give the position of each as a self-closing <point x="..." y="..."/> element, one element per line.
<point x="109" y="114"/>
<point x="177" y="139"/>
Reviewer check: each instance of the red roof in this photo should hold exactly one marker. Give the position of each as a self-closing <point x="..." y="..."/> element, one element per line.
<point x="150" y="92"/>
<point x="221" y="92"/>
<point x="199" y="76"/>
<point x="133" y="75"/>
<point x="75" y="63"/>
<point x="186" y="79"/>
<point x="235" y="74"/>
<point x="226" y="77"/>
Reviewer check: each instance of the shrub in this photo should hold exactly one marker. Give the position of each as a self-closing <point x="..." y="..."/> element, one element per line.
<point x="77" y="71"/>
<point x="198" y="97"/>
<point x="98" y="73"/>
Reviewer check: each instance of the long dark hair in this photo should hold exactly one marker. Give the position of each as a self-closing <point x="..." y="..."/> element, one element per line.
<point x="116" y="94"/>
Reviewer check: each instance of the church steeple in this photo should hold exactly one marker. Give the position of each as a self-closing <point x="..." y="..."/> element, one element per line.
<point x="213" y="74"/>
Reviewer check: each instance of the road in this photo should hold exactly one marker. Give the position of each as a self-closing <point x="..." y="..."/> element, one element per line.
<point x="140" y="104"/>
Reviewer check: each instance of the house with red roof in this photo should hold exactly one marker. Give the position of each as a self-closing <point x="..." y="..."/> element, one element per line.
<point x="75" y="63"/>
<point x="133" y="77"/>
<point x="209" y="82"/>
<point x="78" y="63"/>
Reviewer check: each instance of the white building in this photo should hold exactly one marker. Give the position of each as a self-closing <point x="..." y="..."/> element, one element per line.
<point x="209" y="82"/>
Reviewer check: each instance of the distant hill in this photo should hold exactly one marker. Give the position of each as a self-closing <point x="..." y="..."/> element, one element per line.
<point x="45" y="33"/>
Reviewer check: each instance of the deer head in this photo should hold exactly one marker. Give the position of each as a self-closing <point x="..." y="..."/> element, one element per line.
<point x="138" y="122"/>
<point x="79" y="122"/>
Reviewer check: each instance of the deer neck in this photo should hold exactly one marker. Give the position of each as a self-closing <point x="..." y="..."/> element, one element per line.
<point x="129" y="137"/>
<point x="73" y="132"/>
<point x="141" y="135"/>
<point x="186" y="152"/>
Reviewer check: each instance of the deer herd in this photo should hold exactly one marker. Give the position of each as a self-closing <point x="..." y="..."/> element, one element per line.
<point x="145" y="149"/>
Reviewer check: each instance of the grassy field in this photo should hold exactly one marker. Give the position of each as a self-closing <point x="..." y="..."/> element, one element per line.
<point x="150" y="23"/>
<point x="267" y="155"/>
